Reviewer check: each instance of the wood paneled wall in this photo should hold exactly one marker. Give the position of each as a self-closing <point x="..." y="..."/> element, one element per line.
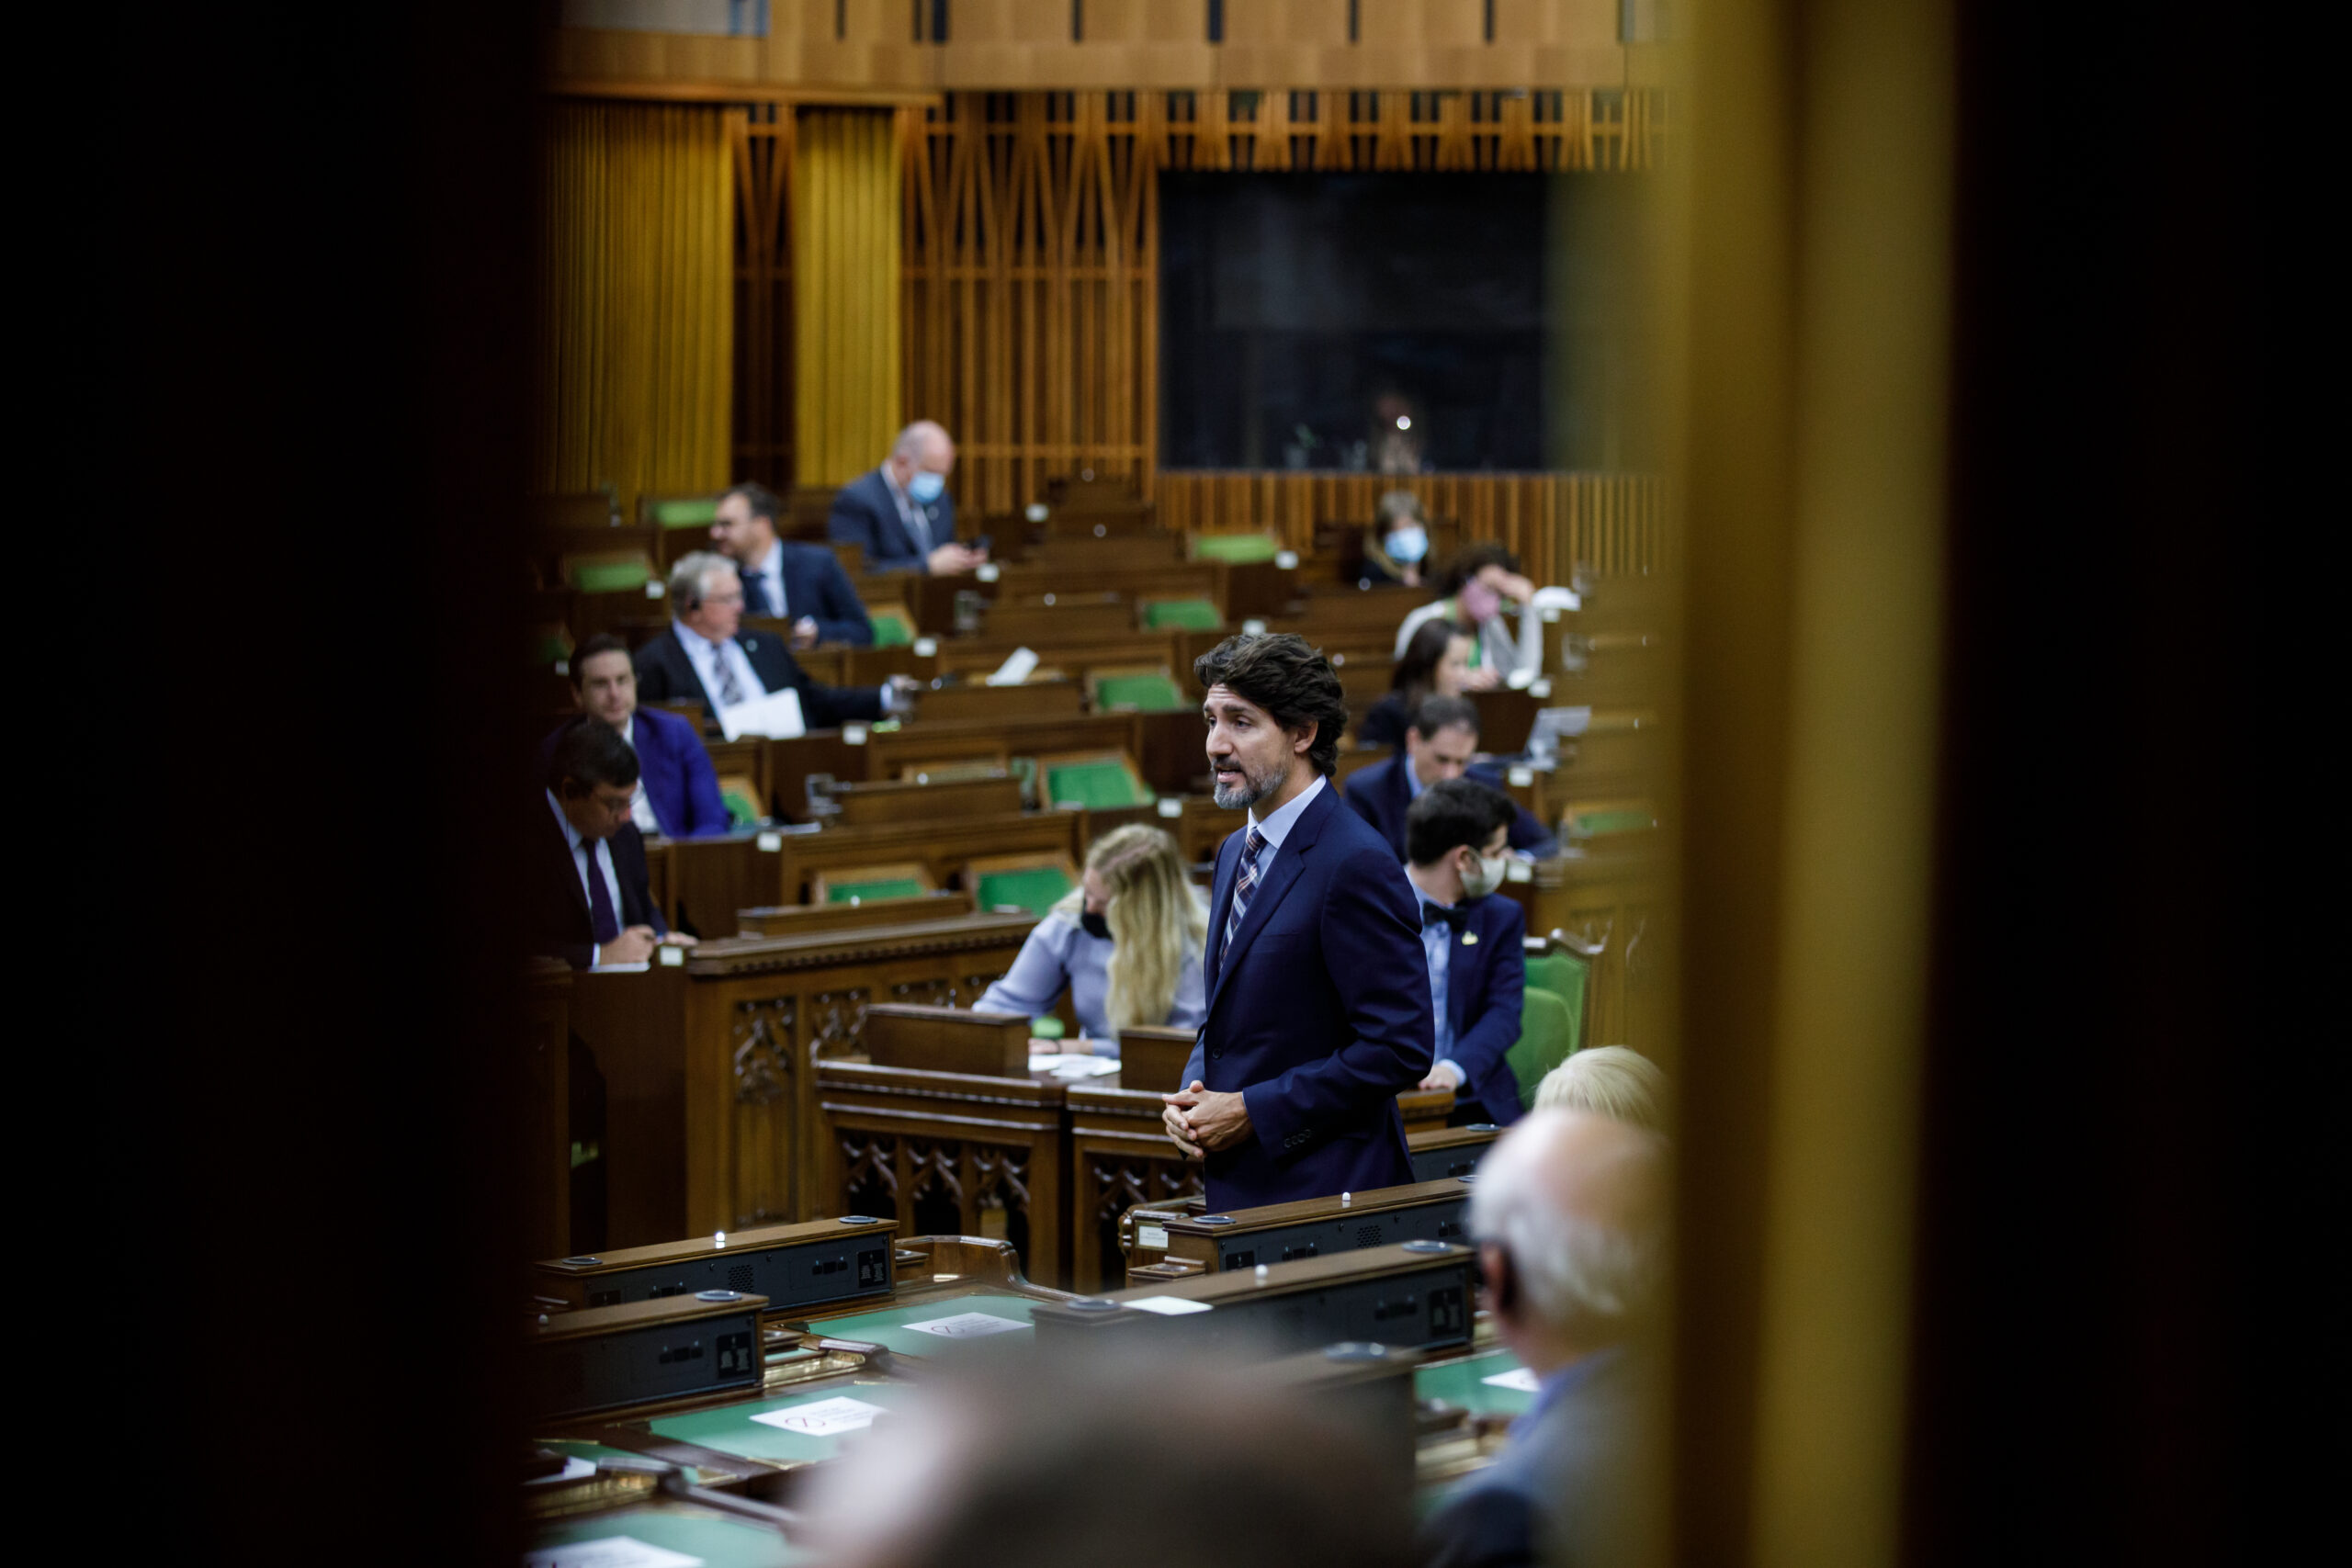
<point x="1610" y="524"/>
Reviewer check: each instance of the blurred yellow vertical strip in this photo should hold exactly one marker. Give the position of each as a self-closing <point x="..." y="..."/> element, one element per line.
<point x="1810" y="488"/>
<point x="846" y="299"/>
<point x="636" y="304"/>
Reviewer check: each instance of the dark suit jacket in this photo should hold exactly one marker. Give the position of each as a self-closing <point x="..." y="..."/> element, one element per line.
<point x="677" y="772"/>
<point x="1483" y="983"/>
<point x="1319" y="1014"/>
<point x="665" y="673"/>
<point x="1558" y="1491"/>
<point x="865" y="515"/>
<point x="815" y="586"/>
<point x="560" y="926"/>
<point x="1381" y="795"/>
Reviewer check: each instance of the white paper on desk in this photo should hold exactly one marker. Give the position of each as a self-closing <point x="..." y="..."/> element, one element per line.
<point x="1076" y="1064"/>
<point x="618" y="968"/>
<point x="775" y="715"/>
<point x="1518" y="1378"/>
<point x="967" y="1326"/>
<point x="609" y="1552"/>
<point x="574" y="1468"/>
<point x="1015" y="669"/>
<point x="1168" y="1306"/>
<point x="823" y="1419"/>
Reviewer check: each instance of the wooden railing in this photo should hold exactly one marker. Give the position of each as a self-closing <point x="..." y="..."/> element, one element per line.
<point x="1610" y="524"/>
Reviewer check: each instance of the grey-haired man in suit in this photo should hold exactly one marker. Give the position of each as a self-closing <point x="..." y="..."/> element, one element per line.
<point x="1568" y="1219"/>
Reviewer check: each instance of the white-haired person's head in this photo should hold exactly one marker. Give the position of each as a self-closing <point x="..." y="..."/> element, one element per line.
<point x="1569" y="1218"/>
<point x="1608" y="1080"/>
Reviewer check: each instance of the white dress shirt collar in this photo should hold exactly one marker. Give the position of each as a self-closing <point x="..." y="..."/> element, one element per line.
<point x="1276" y="826"/>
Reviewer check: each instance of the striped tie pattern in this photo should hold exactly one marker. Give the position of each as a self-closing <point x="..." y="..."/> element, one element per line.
<point x="1245" y="884"/>
<point x="730" y="690"/>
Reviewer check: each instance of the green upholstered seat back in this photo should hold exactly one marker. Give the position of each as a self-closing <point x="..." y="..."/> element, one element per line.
<point x="692" y="512"/>
<point x="741" y="811"/>
<point x="1546" y="1036"/>
<point x="881" y="887"/>
<point x="607" y="576"/>
<point x="1035" y="888"/>
<point x="1193" y="615"/>
<point x="1096" y="785"/>
<point x="1236" y="547"/>
<point x="1144" y="693"/>
<point x="1593" y="824"/>
<point x="890" y="628"/>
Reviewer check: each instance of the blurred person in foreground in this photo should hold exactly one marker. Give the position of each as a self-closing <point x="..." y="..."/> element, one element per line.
<point x="785" y="578"/>
<point x="1568" y="1219"/>
<point x="1441" y="743"/>
<point x="1127" y="942"/>
<point x="1029" y="1463"/>
<point x="677" y="790"/>
<point x="1608" y="1080"/>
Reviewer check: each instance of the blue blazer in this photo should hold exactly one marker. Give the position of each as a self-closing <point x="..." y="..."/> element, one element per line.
<point x="815" y="586"/>
<point x="1319" y="1014"/>
<point x="865" y="514"/>
<point x="1381" y="795"/>
<point x="1558" y="1491"/>
<point x="678" y="776"/>
<point x="1484" y="981"/>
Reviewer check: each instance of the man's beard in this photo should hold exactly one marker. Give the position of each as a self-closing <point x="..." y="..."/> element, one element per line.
<point x="1250" y="791"/>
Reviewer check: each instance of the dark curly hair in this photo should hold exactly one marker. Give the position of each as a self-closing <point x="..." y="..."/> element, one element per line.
<point x="763" y="501"/>
<point x="1292" y="682"/>
<point x="1469" y="561"/>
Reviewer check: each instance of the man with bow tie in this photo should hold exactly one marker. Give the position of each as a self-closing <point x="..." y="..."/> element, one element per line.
<point x="1456" y="838"/>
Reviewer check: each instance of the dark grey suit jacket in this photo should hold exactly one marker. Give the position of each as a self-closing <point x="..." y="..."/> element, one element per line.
<point x="1562" y="1491"/>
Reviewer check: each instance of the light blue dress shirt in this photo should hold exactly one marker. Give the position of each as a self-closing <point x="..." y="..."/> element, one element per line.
<point x="1059" y="953"/>
<point x="1437" y="943"/>
<point x="770" y="571"/>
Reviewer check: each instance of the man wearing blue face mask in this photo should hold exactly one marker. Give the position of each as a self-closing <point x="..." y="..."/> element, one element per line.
<point x="1455" y="838"/>
<point x="901" y="514"/>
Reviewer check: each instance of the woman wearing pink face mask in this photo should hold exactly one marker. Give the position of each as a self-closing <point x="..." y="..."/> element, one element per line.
<point x="1477" y="583"/>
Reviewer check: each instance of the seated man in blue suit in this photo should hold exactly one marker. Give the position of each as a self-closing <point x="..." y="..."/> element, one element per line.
<point x="901" y="514"/>
<point x="1567" y="1218"/>
<point x="1454" y="835"/>
<point x="702" y="656"/>
<point x="1319" y="995"/>
<point x="801" y="583"/>
<point x="1439" y="744"/>
<point x="677" y="792"/>
<point x="589" y="897"/>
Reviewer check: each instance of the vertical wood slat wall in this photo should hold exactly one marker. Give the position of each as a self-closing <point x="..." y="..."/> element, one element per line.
<point x="637" y="331"/>
<point x="847" y="244"/>
<point x="1029" y="280"/>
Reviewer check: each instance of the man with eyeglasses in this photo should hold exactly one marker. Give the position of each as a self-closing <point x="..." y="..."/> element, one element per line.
<point x="705" y="654"/>
<point x="591" y="903"/>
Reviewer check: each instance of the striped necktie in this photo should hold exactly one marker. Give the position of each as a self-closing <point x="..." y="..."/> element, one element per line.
<point x="730" y="690"/>
<point x="1245" y="884"/>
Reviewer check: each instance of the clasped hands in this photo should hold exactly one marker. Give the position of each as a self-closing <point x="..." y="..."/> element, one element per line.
<point x="1198" y="1119"/>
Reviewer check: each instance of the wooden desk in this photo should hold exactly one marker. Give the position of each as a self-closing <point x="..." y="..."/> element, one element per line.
<point x="1616" y="896"/>
<point x="710" y="1067"/>
<point x="941" y="847"/>
<point x="543" y="1143"/>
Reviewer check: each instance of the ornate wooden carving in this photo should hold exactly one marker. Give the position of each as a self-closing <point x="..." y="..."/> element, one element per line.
<point x="763" y="1040"/>
<point x="837" y="1020"/>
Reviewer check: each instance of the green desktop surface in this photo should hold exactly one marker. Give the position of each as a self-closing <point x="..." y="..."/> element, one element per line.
<point x="609" y="577"/>
<point x="1095" y="785"/>
<point x="1236" y="548"/>
<point x="890" y="1330"/>
<point x="1035" y="890"/>
<point x="1592" y="824"/>
<point x="701" y="1533"/>
<point x="699" y="512"/>
<point x="890" y="630"/>
<point x="888" y="887"/>
<point x="1144" y="693"/>
<point x="1462" y="1383"/>
<point x="1193" y="615"/>
<point x="731" y="1429"/>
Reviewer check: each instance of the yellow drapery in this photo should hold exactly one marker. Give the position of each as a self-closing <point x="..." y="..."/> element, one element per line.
<point x="636" y="300"/>
<point x="845" y="289"/>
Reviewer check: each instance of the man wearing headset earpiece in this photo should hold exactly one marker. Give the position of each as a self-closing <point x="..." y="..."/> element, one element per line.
<point x="1566" y="1217"/>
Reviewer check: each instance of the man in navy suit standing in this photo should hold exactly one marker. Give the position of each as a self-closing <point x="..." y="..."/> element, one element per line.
<point x="1319" y="1008"/>
<point x="801" y="583"/>
<point x="1455" y="835"/>
<point x="901" y="514"/>
<point x="1439" y="744"/>
<point x="677" y="791"/>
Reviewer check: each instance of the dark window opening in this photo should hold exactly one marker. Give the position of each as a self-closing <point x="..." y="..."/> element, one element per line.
<point x="1216" y="22"/>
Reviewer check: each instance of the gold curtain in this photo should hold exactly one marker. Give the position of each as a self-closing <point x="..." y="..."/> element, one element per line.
<point x="845" y="225"/>
<point x="637" y="301"/>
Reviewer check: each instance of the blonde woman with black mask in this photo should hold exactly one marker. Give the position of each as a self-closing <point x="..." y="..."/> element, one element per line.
<point x="1127" y="942"/>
